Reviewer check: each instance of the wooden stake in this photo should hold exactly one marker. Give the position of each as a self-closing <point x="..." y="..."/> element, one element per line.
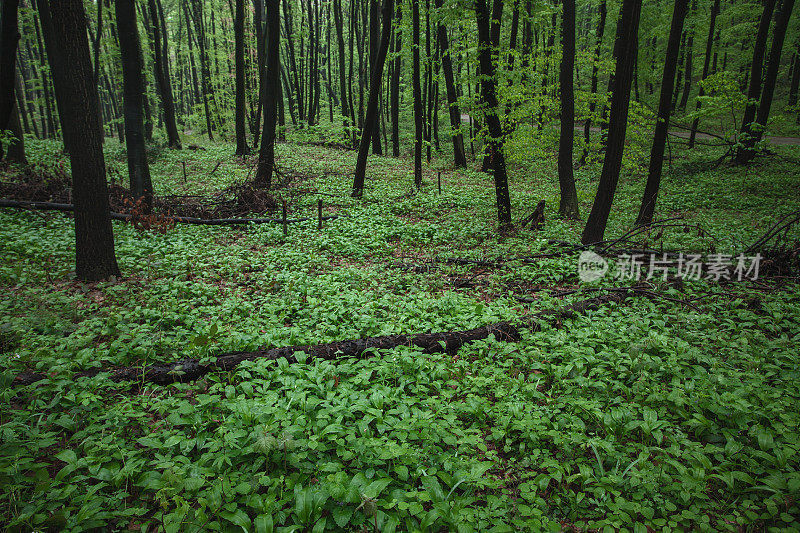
<point x="285" y="224"/>
<point x="319" y="214"/>
<point x="184" y="171"/>
<point x="439" y="181"/>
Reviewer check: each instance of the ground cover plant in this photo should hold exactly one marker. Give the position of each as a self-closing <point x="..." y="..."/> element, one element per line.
<point x="651" y="413"/>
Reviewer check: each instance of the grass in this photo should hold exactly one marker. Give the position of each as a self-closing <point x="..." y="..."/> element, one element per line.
<point x="649" y="415"/>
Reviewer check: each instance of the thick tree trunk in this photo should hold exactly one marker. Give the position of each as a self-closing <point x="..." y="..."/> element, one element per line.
<point x="72" y="73"/>
<point x="371" y="118"/>
<point x="706" y="65"/>
<point x="662" y="122"/>
<point x="419" y="118"/>
<point x="744" y="154"/>
<point x="163" y="81"/>
<point x="488" y="40"/>
<point x="459" y="156"/>
<point x="9" y="37"/>
<point x="568" y="206"/>
<point x="374" y="44"/>
<point x="747" y="152"/>
<point x="625" y="52"/>
<point x="266" y="155"/>
<point x="133" y="89"/>
<point x="238" y="32"/>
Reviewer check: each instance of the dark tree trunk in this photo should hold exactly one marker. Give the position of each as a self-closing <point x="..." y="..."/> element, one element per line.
<point x="664" y="107"/>
<point x="587" y="128"/>
<point x="338" y="20"/>
<point x="163" y="81"/>
<point x="395" y="90"/>
<point x="459" y="156"/>
<point x="72" y="73"/>
<point x="568" y="207"/>
<point x="795" y="83"/>
<point x="488" y="40"/>
<point x="9" y="37"/>
<point x="374" y="38"/>
<point x="46" y="33"/>
<point x="133" y="89"/>
<point x="238" y="32"/>
<point x="625" y="52"/>
<point x="266" y="155"/>
<point x="15" y="151"/>
<point x="419" y="119"/>
<point x="706" y="66"/>
<point x="688" y="71"/>
<point x="746" y="153"/>
<point x="205" y="73"/>
<point x="371" y="118"/>
<point x="681" y="64"/>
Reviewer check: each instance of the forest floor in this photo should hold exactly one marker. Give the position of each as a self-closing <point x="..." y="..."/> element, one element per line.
<point x="675" y="411"/>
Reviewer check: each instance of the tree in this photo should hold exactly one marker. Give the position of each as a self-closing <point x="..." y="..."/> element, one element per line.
<point x="568" y="206"/>
<point x="587" y="127"/>
<point x="266" y="155"/>
<point x="161" y="67"/>
<point x="662" y="121"/>
<point x="487" y="40"/>
<point x="419" y="118"/>
<point x="371" y="118"/>
<point x="80" y="120"/>
<point x="395" y="89"/>
<point x="133" y="89"/>
<point x="706" y="66"/>
<point x="238" y="31"/>
<point x="625" y="53"/>
<point x="747" y="152"/>
<point x="459" y="156"/>
<point x="9" y="37"/>
<point x="743" y="155"/>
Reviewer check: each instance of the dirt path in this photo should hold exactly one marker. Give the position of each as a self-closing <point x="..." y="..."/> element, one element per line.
<point x="781" y="141"/>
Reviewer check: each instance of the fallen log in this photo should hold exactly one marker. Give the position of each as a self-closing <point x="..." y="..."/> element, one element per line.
<point x="50" y="206"/>
<point x="444" y="342"/>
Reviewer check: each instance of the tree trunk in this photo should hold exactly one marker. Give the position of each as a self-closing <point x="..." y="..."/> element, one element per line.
<point x="706" y="66"/>
<point x="587" y="128"/>
<point x="205" y="73"/>
<point x="625" y="52"/>
<point x="795" y="83"/>
<point x="163" y="81"/>
<point x="459" y="156"/>
<point x="72" y="73"/>
<point x="9" y="37"/>
<point x="266" y="155"/>
<point x="418" y="116"/>
<point x="664" y="107"/>
<point x="395" y="90"/>
<point x="747" y="152"/>
<point x="238" y="32"/>
<point x="568" y="206"/>
<point x="488" y="40"/>
<point x="688" y="72"/>
<point x="371" y="118"/>
<point x="338" y="20"/>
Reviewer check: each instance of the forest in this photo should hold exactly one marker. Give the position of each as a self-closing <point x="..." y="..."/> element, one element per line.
<point x="399" y="265"/>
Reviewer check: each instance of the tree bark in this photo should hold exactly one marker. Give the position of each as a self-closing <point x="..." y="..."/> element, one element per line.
<point x="371" y="118"/>
<point x="266" y="156"/>
<point x="133" y="89"/>
<point x="9" y="37"/>
<point x="625" y="52"/>
<point x="587" y="128"/>
<point x="488" y="40"/>
<point x="395" y="90"/>
<point x="568" y="206"/>
<point x="706" y="65"/>
<point x="72" y="73"/>
<point x="662" y="122"/>
<point x="459" y="157"/>
<point x="238" y="32"/>
<point x="419" y="119"/>
<point x="163" y="81"/>
<point x="747" y="152"/>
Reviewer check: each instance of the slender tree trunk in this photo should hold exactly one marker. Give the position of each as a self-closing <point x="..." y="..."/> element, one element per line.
<point x="688" y="73"/>
<point x="73" y="76"/>
<point x="706" y="66"/>
<point x="238" y="31"/>
<point x="747" y="152"/>
<point x="625" y="52"/>
<point x="205" y="73"/>
<point x="795" y="83"/>
<point x="419" y="119"/>
<point x="681" y="68"/>
<point x="459" y="156"/>
<point x="568" y="207"/>
<point x="133" y="84"/>
<point x="266" y="155"/>
<point x="371" y="118"/>
<point x="662" y="123"/>
<point x="163" y="82"/>
<point x="587" y="128"/>
<point x="488" y="39"/>
<point x="395" y="90"/>
<point x="46" y="33"/>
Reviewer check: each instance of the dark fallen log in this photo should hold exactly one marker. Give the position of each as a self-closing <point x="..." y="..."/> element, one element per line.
<point x="50" y="206"/>
<point x="444" y="342"/>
